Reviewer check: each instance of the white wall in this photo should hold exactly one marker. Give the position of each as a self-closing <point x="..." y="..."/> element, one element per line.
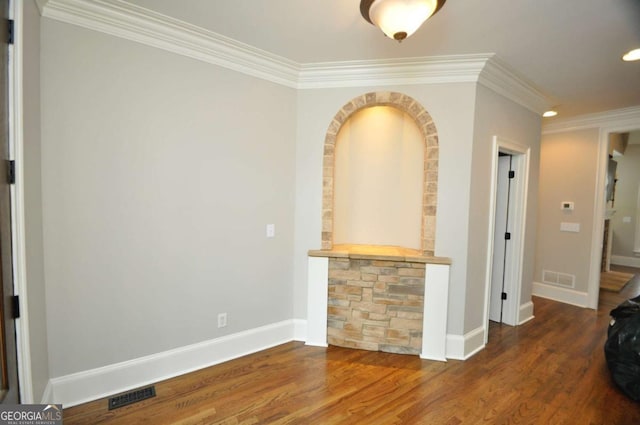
<point x="33" y="201"/>
<point x="159" y="175"/>
<point x="452" y="109"/>
<point x="498" y="116"/>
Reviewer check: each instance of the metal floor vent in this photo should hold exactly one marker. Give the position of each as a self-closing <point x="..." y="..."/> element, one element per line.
<point x="132" y="397"/>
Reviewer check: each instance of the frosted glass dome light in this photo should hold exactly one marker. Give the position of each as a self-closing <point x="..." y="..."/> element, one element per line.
<point x="398" y="19"/>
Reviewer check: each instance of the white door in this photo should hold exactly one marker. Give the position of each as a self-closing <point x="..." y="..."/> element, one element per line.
<point x="500" y="238"/>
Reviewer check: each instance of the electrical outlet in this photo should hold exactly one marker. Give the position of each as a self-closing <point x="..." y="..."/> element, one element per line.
<point x="222" y="320"/>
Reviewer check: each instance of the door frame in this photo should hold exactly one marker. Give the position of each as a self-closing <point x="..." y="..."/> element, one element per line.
<point x="513" y="276"/>
<point x="599" y="206"/>
<point x="23" y="345"/>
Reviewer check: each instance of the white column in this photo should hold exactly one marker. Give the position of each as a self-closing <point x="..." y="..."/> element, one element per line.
<point x="317" y="295"/>
<point x="436" y="302"/>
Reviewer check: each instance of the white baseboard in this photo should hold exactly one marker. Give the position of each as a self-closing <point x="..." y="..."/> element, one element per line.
<point x="47" y="395"/>
<point x="82" y="387"/>
<point x="526" y="312"/>
<point x="299" y="330"/>
<point x="461" y="347"/>
<point x="625" y="261"/>
<point x="563" y="295"/>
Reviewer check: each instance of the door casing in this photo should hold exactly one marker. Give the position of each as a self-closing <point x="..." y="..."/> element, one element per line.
<point x="517" y="216"/>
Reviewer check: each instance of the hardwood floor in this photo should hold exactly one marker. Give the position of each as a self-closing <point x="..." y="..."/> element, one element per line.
<point x="550" y="370"/>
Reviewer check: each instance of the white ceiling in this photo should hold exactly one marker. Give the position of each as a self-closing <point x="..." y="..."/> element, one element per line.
<point x="570" y="49"/>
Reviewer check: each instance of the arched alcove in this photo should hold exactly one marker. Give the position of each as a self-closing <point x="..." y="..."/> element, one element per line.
<point x="378" y="184"/>
<point x="429" y="134"/>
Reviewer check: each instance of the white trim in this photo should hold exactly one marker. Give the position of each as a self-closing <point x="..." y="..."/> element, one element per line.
<point x="526" y="313"/>
<point x="521" y="157"/>
<point x="317" y="300"/>
<point x="615" y="118"/>
<point x="434" y="317"/>
<point x="597" y="230"/>
<point x="135" y="23"/>
<point x="85" y="386"/>
<point x="41" y="4"/>
<point x="563" y="295"/>
<point x="625" y="261"/>
<point x="23" y="345"/>
<point x="492" y="219"/>
<point x="401" y="71"/>
<point x="462" y="347"/>
<point x="504" y="80"/>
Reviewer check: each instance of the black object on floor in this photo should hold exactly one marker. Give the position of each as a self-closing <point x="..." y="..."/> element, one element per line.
<point x="622" y="348"/>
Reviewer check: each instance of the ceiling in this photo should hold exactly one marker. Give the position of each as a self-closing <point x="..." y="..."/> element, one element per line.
<point x="570" y="49"/>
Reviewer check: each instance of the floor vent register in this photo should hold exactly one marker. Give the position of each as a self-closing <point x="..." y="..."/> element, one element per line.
<point x="131" y="397"/>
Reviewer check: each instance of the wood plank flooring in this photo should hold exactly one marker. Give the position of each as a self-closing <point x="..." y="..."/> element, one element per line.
<point x="550" y="370"/>
<point x="614" y="281"/>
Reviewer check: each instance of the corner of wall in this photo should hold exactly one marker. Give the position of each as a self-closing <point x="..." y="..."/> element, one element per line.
<point x="462" y="347"/>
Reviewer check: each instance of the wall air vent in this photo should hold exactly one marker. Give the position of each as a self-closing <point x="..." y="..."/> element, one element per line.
<point x="131" y="397"/>
<point x="559" y="279"/>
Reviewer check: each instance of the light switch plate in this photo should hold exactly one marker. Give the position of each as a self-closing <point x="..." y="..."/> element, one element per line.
<point x="271" y="230"/>
<point x="569" y="227"/>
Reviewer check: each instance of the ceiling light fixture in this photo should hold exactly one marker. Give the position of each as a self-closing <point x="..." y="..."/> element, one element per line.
<point x="550" y="113"/>
<point x="398" y="19"/>
<point x="632" y="55"/>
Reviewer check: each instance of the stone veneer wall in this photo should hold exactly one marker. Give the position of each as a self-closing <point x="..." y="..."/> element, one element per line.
<point x="428" y="129"/>
<point x="376" y="305"/>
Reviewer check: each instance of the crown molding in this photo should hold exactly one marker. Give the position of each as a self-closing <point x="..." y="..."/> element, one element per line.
<point x="485" y="69"/>
<point x="504" y="80"/>
<point x="402" y="71"/>
<point x="135" y="23"/>
<point x="41" y="4"/>
<point x="622" y="118"/>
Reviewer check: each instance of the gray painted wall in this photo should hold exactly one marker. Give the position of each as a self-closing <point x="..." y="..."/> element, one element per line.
<point x="159" y="175"/>
<point x="497" y="116"/>
<point x="568" y="165"/>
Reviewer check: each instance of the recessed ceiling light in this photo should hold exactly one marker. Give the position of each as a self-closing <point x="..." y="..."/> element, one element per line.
<point x="549" y="114"/>
<point x="632" y="55"/>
